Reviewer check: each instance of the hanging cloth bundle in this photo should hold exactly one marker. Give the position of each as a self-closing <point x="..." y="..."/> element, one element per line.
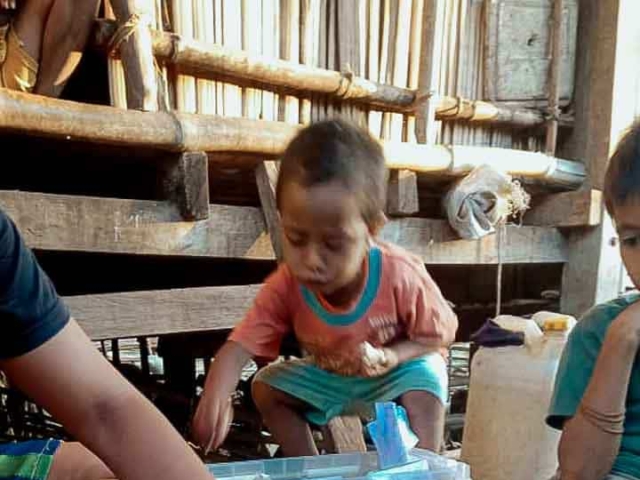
<point x="482" y="200"/>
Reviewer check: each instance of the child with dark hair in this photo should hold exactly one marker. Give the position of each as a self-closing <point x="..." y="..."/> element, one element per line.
<point x="596" y="401"/>
<point x="372" y="322"/>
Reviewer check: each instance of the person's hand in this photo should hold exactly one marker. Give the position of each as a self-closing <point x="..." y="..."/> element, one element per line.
<point x="212" y="421"/>
<point x="377" y="361"/>
<point x="625" y="329"/>
<point x="8" y="4"/>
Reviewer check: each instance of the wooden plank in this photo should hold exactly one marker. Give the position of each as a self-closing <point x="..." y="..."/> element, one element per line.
<point x="402" y="193"/>
<point x="185" y="181"/>
<point x="86" y="224"/>
<point x="136" y="52"/>
<point x="567" y="209"/>
<point x="150" y="313"/>
<point x="436" y="243"/>
<point x="267" y="179"/>
<point x="346" y="434"/>
<point x="592" y="274"/>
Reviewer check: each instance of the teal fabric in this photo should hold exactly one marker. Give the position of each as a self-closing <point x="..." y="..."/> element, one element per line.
<point x="367" y="298"/>
<point x="575" y="370"/>
<point x="329" y="395"/>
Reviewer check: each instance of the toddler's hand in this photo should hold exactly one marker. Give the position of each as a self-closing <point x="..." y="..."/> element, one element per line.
<point x="377" y="361"/>
<point x="212" y="421"/>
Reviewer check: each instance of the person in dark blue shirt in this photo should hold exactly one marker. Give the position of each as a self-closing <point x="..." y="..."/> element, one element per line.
<point x="45" y="354"/>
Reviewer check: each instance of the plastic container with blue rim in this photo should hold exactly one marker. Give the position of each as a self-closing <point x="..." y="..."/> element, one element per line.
<point x="422" y="465"/>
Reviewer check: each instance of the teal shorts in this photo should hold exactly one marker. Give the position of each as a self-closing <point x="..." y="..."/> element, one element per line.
<point x="29" y="460"/>
<point x="329" y="395"/>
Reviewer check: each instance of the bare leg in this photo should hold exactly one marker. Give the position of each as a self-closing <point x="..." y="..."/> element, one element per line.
<point x="282" y="415"/>
<point x="55" y="33"/>
<point x="426" y="416"/>
<point x="72" y="461"/>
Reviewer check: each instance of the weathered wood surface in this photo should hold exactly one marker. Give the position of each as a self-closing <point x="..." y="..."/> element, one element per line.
<point x="346" y="434"/>
<point x="517" y="45"/>
<point x="555" y="70"/>
<point x="85" y="224"/>
<point x="178" y="132"/>
<point x="609" y="40"/>
<point x="436" y="243"/>
<point x="402" y="193"/>
<point x="206" y="60"/>
<point x="136" y="52"/>
<point x="150" y="313"/>
<point x="267" y="179"/>
<point x="568" y="209"/>
<point x="185" y="181"/>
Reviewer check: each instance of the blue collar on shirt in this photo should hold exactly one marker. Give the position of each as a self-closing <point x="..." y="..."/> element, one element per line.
<point x="366" y="299"/>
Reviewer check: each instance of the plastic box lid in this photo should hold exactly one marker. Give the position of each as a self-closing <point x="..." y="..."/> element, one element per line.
<point x="424" y="465"/>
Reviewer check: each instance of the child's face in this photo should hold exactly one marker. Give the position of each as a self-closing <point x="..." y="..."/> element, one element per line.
<point x="627" y="219"/>
<point x="325" y="237"/>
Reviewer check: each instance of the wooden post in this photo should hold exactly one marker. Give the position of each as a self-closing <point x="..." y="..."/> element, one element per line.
<point x="605" y="84"/>
<point x="185" y="181"/>
<point x="133" y="39"/>
<point x="267" y="178"/>
<point x="555" y="68"/>
<point x="346" y="434"/>
<point x="430" y="58"/>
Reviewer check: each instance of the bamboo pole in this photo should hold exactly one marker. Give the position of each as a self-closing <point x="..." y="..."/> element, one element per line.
<point x="136" y="52"/>
<point x="117" y="88"/>
<point x="182" y="13"/>
<point x="289" y="107"/>
<point x="217" y="35"/>
<point x="270" y="49"/>
<point x="375" y="117"/>
<point x="555" y="66"/>
<point x="415" y="49"/>
<point x="179" y="132"/>
<point x="204" y="32"/>
<point x="251" y="42"/>
<point x="267" y="73"/>
<point x="232" y="38"/>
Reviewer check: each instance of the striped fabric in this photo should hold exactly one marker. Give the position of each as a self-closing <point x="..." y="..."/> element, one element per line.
<point x="29" y="460"/>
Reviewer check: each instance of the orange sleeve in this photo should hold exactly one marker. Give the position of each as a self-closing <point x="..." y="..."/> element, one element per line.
<point x="423" y="309"/>
<point x="269" y="319"/>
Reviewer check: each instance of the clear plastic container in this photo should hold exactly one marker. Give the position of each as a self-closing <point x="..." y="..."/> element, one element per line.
<point x="424" y="465"/>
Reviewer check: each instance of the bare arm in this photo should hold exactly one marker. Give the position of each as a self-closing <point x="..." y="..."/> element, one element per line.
<point x="586" y="452"/>
<point x="406" y="350"/>
<point x="213" y="416"/>
<point x="78" y="386"/>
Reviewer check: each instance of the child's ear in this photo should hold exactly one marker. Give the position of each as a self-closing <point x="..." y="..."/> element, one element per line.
<point x="377" y="224"/>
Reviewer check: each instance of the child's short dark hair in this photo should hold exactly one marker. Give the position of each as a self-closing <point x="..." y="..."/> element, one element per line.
<point x="622" y="180"/>
<point x="336" y="150"/>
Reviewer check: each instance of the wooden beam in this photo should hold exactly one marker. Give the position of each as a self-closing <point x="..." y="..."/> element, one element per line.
<point x="215" y="61"/>
<point x="402" y="193"/>
<point x="608" y="43"/>
<point x="150" y="313"/>
<point x="185" y="181"/>
<point x="437" y="243"/>
<point x="85" y="224"/>
<point x="267" y="179"/>
<point x="568" y="209"/>
<point x="179" y="132"/>
<point x="133" y="41"/>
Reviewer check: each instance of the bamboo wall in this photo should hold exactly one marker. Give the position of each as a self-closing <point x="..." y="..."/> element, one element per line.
<point x="376" y="39"/>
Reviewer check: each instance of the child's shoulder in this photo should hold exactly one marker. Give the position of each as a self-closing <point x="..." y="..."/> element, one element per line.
<point x="598" y="319"/>
<point x="400" y="260"/>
